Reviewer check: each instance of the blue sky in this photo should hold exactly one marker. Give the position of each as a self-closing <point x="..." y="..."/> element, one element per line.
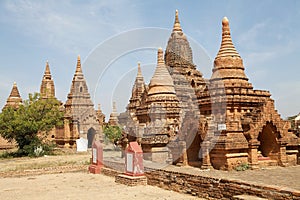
<point x="265" y="33"/>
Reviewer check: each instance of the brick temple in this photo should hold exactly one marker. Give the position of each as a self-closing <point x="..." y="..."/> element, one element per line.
<point x="221" y="123"/>
<point x="180" y="117"/>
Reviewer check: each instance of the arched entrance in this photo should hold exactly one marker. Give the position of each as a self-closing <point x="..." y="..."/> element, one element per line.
<point x="90" y="136"/>
<point x="193" y="141"/>
<point x="269" y="147"/>
<point x="193" y="148"/>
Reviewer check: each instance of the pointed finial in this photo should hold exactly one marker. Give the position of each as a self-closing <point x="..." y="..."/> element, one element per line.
<point x="160" y="57"/>
<point x="139" y="69"/>
<point x="114" y="107"/>
<point x="14" y="92"/>
<point x="227" y="48"/>
<point x="78" y="68"/>
<point x="225" y="26"/>
<point x="176" y="26"/>
<point x="47" y="70"/>
<point x="99" y="106"/>
<point x="225" y="21"/>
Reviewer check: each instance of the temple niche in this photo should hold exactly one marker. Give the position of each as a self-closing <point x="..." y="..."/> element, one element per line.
<point x="222" y="122"/>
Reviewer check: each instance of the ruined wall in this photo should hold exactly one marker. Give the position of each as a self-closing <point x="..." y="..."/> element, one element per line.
<point x="203" y="186"/>
<point x="213" y="188"/>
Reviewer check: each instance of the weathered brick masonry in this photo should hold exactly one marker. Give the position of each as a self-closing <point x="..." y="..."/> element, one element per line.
<point x="203" y="186"/>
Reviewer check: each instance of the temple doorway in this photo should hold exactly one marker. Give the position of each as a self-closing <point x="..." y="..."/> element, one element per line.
<point x="90" y="136"/>
<point x="193" y="148"/>
<point x="269" y="146"/>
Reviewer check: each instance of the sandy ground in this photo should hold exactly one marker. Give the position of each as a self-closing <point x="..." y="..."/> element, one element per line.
<point x="79" y="186"/>
<point x="19" y="179"/>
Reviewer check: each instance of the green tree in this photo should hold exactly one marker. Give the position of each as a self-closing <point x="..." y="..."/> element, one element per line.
<point x="112" y="133"/>
<point x="30" y="124"/>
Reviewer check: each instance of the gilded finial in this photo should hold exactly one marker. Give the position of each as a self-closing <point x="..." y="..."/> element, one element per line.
<point x="176" y="26"/>
<point x="160" y="57"/>
<point x="15" y="84"/>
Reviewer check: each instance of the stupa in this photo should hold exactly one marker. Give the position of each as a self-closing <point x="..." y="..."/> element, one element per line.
<point x="14" y="100"/>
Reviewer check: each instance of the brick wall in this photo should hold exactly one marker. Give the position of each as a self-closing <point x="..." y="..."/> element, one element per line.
<point x="205" y="187"/>
<point x="212" y="188"/>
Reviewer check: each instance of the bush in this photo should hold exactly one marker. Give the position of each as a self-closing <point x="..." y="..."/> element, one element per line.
<point x="242" y="167"/>
<point x="38" y="148"/>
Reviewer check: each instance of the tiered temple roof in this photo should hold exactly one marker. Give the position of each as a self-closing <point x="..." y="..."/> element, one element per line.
<point x="228" y="64"/>
<point x="178" y="50"/>
<point x="161" y="99"/>
<point x="14" y="100"/>
<point x="80" y="115"/>
<point x="138" y="90"/>
<point x="113" y="118"/>
<point x="47" y="89"/>
<point x="161" y="83"/>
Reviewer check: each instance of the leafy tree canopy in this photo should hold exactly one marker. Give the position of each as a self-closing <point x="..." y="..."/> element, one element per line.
<point x="112" y="133"/>
<point x="29" y="125"/>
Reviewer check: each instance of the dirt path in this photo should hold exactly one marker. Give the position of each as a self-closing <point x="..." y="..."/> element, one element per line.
<point x="45" y="177"/>
<point x="79" y="186"/>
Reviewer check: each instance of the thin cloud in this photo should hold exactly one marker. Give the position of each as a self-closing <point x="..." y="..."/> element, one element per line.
<point x="68" y="27"/>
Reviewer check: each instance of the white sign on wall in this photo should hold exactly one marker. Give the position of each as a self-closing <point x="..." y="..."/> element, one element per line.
<point x="94" y="155"/>
<point x="129" y="158"/>
<point x="221" y="127"/>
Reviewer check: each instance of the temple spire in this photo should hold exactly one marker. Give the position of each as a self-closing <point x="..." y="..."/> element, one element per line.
<point x="47" y="74"/>
<point x="139" y="74"/>
<point x="78" y="68"/>
<point x="47" y="89"/>
<point x="161" y="83"/>
<point x="176" y="26"/>
<point x="14" y="99"/>
<point x="160" y="56"/>
<point x="114" y="107"/>
<point x="113" y="118"/>
<point x="15" y="92"/>
<point x="227" y="48"/>
<point x="47" y="70"/>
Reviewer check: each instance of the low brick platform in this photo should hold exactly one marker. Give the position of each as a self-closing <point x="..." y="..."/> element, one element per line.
<point x="131" y="180"/>
<point x="247" y="197"/>
<point x="216" y="184"/>
<point x="95" y="169"/>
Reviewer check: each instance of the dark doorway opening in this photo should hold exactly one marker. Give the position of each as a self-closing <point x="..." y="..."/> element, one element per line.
<point x="269" y="146"/>
<point x="90" y="136"/>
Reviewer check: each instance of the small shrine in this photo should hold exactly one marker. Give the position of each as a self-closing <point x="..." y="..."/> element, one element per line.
<point x="134" y="168"/>
<point x="97" y="158"/>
